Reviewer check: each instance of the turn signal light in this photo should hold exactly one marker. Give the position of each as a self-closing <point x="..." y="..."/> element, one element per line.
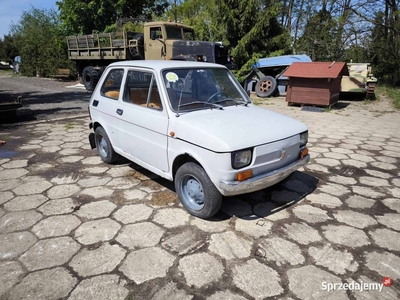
<point x="240" y="176"/>
<point x="303" y="153"/>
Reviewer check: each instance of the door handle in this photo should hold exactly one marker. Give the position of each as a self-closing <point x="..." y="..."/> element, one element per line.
<point x="120" y="111"/>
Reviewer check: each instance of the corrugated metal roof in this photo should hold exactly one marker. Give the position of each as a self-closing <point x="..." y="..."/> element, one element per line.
<point x="317" y="69"/>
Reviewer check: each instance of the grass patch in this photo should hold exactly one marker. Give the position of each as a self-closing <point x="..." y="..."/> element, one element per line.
<point x="69" y="125"/>
<point x="391" y="92"/>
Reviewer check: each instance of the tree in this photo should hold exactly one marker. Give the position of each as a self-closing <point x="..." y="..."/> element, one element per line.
<point x="83" y="16"/>
<point x="8" y="48"/>
<point x="40" y="42"/>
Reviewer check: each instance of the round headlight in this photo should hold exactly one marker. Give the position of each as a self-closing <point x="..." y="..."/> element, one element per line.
<point x="204" y="58"/>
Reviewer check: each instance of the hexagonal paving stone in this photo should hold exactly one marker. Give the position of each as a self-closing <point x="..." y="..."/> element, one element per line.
<point x="10" y="273"/>
<point x="107" y="287"/>
<point x="302" y="233"/>
<point x="311" y="214"/>
<point x="280" y="251"/>
<point x="134" y="195"/>
<point x="62" y="191"/>
<point x="65" y="179"/>
<point x="225" y="295"/>
<point x="386" y="264"/>
<point x="15" y="164"/>
<point x="49" y="253"/>
<point x="386" y="238"/>
<point x="103" y="259"/>
<point x="390" y="220"/>
<point x="58" y="207"/>
<point x="386" y="293"/>
<point x="185" y="242"/>
<point x="373" y="181"/>
<point x="133" y="213"/>
<point x="171" y="217"/>
<point x="96" y="210"/>
<point x="94" y="160"/>
<point x="96" y="231"/>
<point x="30" y="188"/>
<point x="392" y="203"/>
<point x="255" y="227"/>
<point x="367" y="192"/>
<point x="229" y="245"/>
<point x="25" y="202"/>
<point x="124" y="171"/>
<point x="335" y="260"/>
<point x="200" y="269"/>
<point x="342" y="180"/>
<point x="91" y="181"/>
<point x="56" y="226"/>
<point x="345" y="235"/>
<point x="354" y="219"/>
<point x="13" y="245"/>
<point x="210" y="225"/>
<point x="334" y="189"/>
<point x="306" y="283"/>
<point x="123" y="183"/>
<point x="70" y="159"/>
<point x="324" y="199"/>
<point x="49" y="284"/>
<point x="252" y="277"/>
<point x="170" y="291"/>
<point x="95" y="170"/>
<point x="50" y="149"/>
<point x="20" y="220"/>
<point x="140" y="235"/>
<point x="5" y="196"/>
<point x="97" y="192"/>
<point x="359" y="202"/>
<point x="146" y="264"/>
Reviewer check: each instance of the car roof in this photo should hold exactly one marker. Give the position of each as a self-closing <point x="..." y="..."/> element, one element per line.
<point x="159" y="65"/>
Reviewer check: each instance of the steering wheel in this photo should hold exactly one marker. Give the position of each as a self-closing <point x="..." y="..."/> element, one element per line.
<point x="213" y="95"/>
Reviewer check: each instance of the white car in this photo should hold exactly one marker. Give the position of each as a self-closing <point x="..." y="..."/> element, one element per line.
<point x="192" y="123"/>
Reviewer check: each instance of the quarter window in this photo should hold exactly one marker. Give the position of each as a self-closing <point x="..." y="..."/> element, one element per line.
<point x="112" y="85"/>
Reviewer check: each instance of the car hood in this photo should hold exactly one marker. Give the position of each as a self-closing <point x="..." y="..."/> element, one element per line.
<point x="234" y="128"/>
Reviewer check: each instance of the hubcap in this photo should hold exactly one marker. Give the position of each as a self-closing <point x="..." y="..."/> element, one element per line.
<point x="265" y="86"/>
<point x="192" y="192"/>
<point x="102" y="146"/>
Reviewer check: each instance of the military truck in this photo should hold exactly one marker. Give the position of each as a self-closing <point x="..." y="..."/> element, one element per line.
<point x="158" y="41"/>
<point x="360" y="80"/>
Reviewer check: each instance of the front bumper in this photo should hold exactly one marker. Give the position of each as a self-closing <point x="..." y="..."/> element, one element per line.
<point x="231" y="188"/>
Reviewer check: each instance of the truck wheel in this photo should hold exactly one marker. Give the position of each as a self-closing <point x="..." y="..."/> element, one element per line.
<point x="266" y="86"/>
<point x="90" y="77"/>
<point x="196" y="191"/>
<point x="104" y="147"/>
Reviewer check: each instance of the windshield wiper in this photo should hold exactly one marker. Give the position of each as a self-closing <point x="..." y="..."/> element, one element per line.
<point x="201" y="102"/>
<point x="231" y="99"/>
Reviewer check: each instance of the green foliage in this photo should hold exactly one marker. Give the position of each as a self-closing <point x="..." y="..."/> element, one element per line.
<point x="8" y="48"/>
<point x="83" y="16"/>
<point x="41" y="43"/>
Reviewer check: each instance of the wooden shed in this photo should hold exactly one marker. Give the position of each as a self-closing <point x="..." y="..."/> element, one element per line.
<point x="314" y="83"/>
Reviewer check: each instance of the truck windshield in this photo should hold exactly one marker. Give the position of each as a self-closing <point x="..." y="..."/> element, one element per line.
<point x="202" y="88"/>
<point x="188" y="34"/>
<point x="174" y="32"/>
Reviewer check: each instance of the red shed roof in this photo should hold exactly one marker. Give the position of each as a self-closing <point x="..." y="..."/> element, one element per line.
<point x="317" y="70"/>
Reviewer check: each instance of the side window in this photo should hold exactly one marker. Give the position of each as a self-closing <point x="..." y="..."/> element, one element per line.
<point x="112" y="84"/>
<point x="141" y="89"/>
<point x="155" y="33"/>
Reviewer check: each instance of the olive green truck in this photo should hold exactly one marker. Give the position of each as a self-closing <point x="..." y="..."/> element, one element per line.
<point x="158" y="41"/>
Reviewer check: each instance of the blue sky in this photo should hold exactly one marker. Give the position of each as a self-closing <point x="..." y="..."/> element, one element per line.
<point x="11" y="10"/>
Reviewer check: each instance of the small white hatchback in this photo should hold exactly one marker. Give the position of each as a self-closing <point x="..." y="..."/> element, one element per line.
<point x="192" y="123"/>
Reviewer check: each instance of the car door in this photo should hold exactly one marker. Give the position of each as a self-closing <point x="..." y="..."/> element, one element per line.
<point x="144" y="121"/>
<point x="105" y="105"/>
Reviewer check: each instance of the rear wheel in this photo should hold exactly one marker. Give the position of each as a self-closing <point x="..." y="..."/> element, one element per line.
<point x="104" y="147"/>
<point x="196" y="192"/>
<point x="266" y="86"/>
<point x="90" y="77"/>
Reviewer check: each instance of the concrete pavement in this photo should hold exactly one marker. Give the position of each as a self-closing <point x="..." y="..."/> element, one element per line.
<point x="72" y="227"/>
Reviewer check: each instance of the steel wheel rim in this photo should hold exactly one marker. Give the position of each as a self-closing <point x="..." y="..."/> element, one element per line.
<point x="102" y="146"/>
<point x="265" y="86"/>
<point x="192" y="192"/>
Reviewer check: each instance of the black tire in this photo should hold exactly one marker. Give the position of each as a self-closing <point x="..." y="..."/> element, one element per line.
<point x="104" y="147"/>
<point x="90" y="77"/>
<point x="196" y="192"/>
<point x="266" y="86"/>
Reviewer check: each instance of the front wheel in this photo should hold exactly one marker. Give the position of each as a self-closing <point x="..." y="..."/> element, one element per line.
<point x="104" y="147"/>
<point x="196" y="192"/>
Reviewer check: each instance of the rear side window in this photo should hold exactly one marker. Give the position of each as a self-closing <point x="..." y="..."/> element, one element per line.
<point x="111" y="87"/>
<point x="141" y="89"/>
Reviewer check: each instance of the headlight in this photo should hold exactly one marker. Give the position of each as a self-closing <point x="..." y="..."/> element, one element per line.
<point x="303" y="138"/>
<point x="204" y="58"/>
<point x="241" y="158"/>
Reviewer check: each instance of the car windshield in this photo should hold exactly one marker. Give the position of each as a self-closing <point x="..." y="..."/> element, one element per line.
<point x="202" y="88"/>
